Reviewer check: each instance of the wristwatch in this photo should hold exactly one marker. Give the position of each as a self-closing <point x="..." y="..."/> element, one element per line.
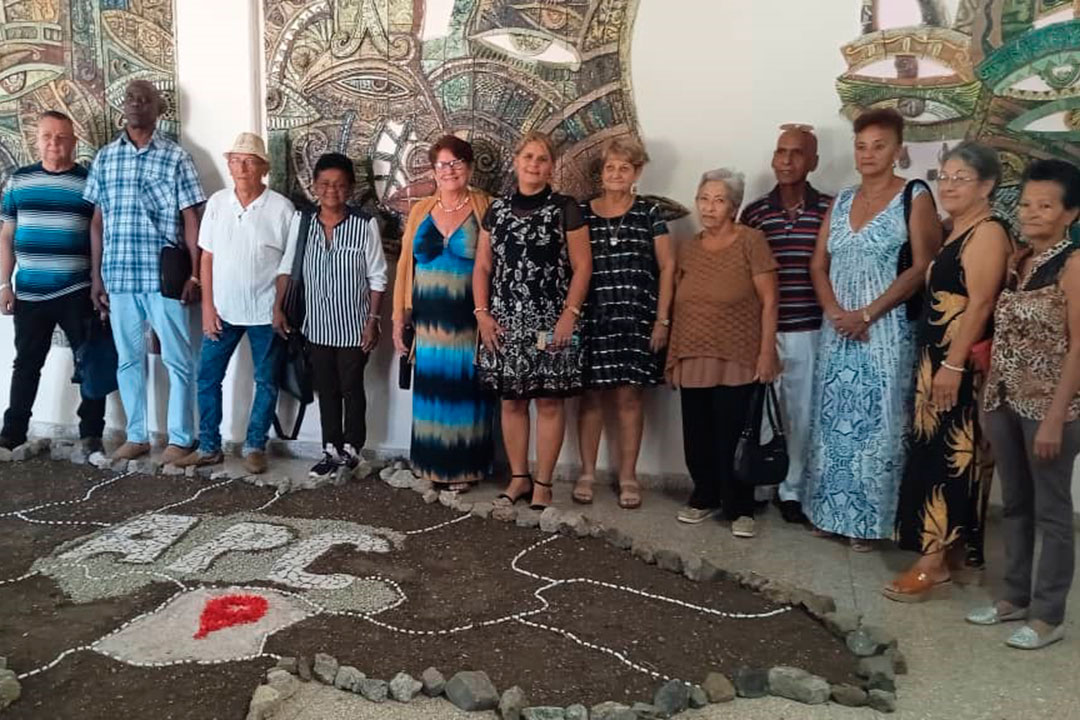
<point x="866" y="316"/>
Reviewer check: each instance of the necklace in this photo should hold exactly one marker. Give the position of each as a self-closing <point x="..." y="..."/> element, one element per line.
<point x="613" y="234"/>
<point x="463" y="203"/>
<point x="1044" y="257"/>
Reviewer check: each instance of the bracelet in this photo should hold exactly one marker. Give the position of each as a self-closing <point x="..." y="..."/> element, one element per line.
<point x="947" y="366"/>
<point x="5" y="286"/>
<point x="666" y="322"/>
<point x="576" y="311"/>
<point x="479" y="310"/>
<point x="198" y="283"/>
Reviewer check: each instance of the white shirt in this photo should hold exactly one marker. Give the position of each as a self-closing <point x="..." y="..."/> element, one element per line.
<point x="247" y="244"/>
<point x="339" y="279"/>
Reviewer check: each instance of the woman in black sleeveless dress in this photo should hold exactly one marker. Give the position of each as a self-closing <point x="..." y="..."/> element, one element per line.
<point x="946" y="482"/>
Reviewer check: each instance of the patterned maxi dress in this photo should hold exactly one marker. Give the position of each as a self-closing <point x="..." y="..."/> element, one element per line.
<point x="946" y="483"/>
<point x="862" y="391"/>
<point x="451" y="435"/>
<point x="530" y="276"/>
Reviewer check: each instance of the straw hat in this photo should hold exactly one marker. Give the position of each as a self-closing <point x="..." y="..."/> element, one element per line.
<point x="249" y="144"/>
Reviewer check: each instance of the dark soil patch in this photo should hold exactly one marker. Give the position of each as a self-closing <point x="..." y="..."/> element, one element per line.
<point x="454" y="576"/>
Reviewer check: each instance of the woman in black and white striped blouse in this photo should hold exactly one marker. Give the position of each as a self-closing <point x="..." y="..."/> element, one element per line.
<point x="344" y="280"/>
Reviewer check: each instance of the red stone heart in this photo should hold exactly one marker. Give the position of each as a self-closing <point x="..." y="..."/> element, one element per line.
<point x="228" y="610"/>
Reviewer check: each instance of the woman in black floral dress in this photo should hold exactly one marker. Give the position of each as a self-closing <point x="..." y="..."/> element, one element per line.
<point x="529" y="282"/>
<point x="942" y="508"/>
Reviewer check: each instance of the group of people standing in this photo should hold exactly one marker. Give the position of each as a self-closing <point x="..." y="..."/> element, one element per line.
<point x="899" y="349"/>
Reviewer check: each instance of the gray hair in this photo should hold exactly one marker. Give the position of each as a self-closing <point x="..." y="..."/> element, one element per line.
<point x="734" y="180"/>
<point x="980" y="158"/>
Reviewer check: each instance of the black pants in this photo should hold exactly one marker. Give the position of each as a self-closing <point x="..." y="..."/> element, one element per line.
<point x="34" y="324"/>
<point x="339" y="381"/>
<point x="712" y="420"/>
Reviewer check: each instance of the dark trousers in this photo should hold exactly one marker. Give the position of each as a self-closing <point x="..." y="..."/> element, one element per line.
<point x="1037" y="495"/>
<point x="712" y="420"/>
<point x="34" y="324"/>
<point x="338" y="377"/>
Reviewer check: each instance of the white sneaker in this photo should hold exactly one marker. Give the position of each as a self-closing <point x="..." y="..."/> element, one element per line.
<point x="693" y="516"/>
<point x="743" y="527"/>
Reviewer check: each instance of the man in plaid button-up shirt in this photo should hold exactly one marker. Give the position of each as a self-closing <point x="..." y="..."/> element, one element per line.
<point x="145" y="191"/>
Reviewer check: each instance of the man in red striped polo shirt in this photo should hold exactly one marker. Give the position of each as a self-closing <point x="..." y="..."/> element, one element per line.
<point x="791" y="216"/>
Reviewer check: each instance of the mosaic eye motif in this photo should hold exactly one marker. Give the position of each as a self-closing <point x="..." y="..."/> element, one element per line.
<point x="532" y="47"/>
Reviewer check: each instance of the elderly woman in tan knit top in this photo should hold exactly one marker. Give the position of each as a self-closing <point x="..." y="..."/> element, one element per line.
<point x="723" y="343"/>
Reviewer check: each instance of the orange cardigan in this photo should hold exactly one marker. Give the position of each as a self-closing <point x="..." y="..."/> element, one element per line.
<point x="403" y="283"/>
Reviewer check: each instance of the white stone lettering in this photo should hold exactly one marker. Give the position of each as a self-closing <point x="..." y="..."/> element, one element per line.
<point x="290" y="567"/>
<point x="140" y="541"/>
<point x="242" y="537"/>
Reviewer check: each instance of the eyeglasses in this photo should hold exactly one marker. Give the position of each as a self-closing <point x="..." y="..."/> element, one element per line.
<point x="451" y="165"/>
<point x="323" y="186"/>
<point x="944" y="179"/>
<point x="243" y="160"/>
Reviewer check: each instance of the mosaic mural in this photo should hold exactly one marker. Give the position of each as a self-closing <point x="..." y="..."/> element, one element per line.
<point x="77" y="56"/>
<point x="380" y="80"/>
<point x="1003" y="72"/>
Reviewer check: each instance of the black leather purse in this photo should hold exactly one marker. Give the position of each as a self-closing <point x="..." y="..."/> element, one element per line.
<point x="174" y="270"/>
<point x="294" y="375"/>
<point x="757" y="464"/>
<point x="405" y="363"/>
<point x="913" y="306"/>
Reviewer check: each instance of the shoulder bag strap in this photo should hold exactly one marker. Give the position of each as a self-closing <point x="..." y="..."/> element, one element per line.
<point x="301" y="246"/>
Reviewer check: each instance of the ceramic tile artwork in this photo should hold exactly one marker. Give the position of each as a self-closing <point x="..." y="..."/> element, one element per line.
<point x="1004" y="73"/>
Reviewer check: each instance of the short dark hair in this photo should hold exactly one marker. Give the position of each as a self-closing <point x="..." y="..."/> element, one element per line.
<point x="980" y="158"/>
<point x="459" y="148"/>
<point x="335" y="161"/>
<point x="887" y="118"/>
<point x="1061" y="172"/>
<point x="55" y="115"/>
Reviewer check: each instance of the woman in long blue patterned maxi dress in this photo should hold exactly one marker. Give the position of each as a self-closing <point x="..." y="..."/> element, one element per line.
<point x="864" y="378"/>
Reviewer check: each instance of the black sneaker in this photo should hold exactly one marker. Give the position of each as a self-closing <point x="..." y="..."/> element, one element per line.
<point x="792" y="512"/>
<point x="10" y="443"/>
<point x="328" y="465"/>
<point x="349" y="458"/>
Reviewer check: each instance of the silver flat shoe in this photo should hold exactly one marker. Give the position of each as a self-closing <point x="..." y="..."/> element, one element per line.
<point x="1027" y="639"/>
<point x="989" y="615"/>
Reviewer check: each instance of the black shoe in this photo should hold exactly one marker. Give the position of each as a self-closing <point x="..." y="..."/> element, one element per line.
<point x="349" y="458"/>
<point x="10" y="443"/>
<point x="327" y="466"/>
<point x="91" y="445"/>
<point x="792" y="512"/>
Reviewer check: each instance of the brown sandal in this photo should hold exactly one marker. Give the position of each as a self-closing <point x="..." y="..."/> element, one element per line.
<point x="583" y="490"/>
<point x="629" y="495"/>
<point x="913" y="586"/>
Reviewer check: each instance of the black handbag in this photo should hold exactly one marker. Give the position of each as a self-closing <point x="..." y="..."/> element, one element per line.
<point x="96" y="361"/>
<point x="174" y="270"/>
<point x="914" y="304"/>
<point x="294" y="375"/>
<point x="405" y="363"/>
<point x="757" y="464"/>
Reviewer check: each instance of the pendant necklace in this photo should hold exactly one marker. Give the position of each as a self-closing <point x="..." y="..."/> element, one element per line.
<point x="613" y="234"/>
<point x="450" y="211"/>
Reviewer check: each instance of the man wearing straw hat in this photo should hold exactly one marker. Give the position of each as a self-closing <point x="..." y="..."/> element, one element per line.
<point x="243" y="236"/>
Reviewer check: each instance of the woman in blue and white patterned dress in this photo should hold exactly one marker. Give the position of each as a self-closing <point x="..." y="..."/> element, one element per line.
<point x="864" y="377"/>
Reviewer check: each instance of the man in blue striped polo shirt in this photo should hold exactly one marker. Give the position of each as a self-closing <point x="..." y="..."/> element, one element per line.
<point x="791" y="216"/>
<point x="45" y="233"/>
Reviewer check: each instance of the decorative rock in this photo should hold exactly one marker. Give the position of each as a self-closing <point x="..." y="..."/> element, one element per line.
<point x="363" y="471"/>
<point x="325" y="668"/>
<point x="878" y="671"/>
<point x="779" y="592"/>
<point x="482" y="510"/>
<point x="434" y="682"/>
<point x="288" y="664"/>
<point x="577" y="712"/>
<point x="207" y="471"/>
<point x="512" y="703"/>
<point x="404" y="687"/>
<point x="388" y="472"/>
<point x="698" y="698"/>
<point x="900" y="666"/>
<point x="817" y="605"/>
<point x="882" y="701"/>
<point x="574" y="523"/>
<point x="60" y="451"/>
<point x="504" y="513"/>
<point x="264" y="702"/>
<point x="10" y="689"/>
<point x="220" y="475"/>
<point x="5" y="455"/>
<point x="645" y="711"/>
<point x="39" y="445"/>
<point x="848" y="695"/>
<point x="672" y="697"/>
<point x="611" y="710"/>
<point x="718" y="688"/>
<point x="699" y="569"/>
<point x="668" y="560"/>
<point x="618" y="539"/>
<point x="144" y="466"/>
<point x="99" y="460"/>
<point x="447" y="498"/>
<point x="171" y="469"/>
<point x="189" y="471"/>
<point x="21" y="453"/>
<point x="753" y="581"/>
<point x="869" y="640"/>
<point x="373" y="690"/>
<point x="751" y="682"/>
<point x="401" y="479"/>
<point x="303" y="668"/>
<point x="643" y="551"/>
<point x="542" y="713"/>
<point x="431" y="496"/>
<point x="550" y="519"/>
<point x="799" y="685"/>
<point x="283" y="681"/>
<point x="77" y="457"/>
<point x="472" y="690"/>
<point x="528" y="518"/>
<point x="422" y="485"/>
<point x="842" y="622"/>
<point x="346" y="678"/>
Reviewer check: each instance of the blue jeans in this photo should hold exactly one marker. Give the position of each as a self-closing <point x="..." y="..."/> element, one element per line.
<point x="266" y="352"/>
<point x="171" y="323"/>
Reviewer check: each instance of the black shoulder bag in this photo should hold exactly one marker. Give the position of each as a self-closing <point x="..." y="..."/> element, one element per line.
<point x="913" y="305"/>
<point x="294" y="376"/>
<point x="757" y="464"/>
<point x="174" y="270"/>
